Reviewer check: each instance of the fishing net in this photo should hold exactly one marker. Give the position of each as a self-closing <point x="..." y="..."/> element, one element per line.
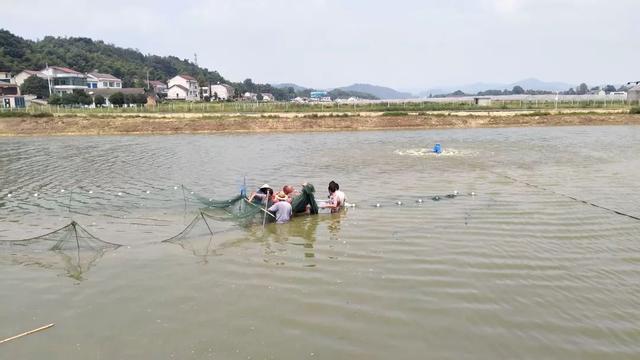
<point x="71" y="247"/>
<point x="76" y="250"/>
<point x="197" y="237"/>
<point x="245" y="212"/>
<point x="306" y="199"/>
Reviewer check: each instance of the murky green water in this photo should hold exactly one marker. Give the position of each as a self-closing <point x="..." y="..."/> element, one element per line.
<point x="514" y="271"/>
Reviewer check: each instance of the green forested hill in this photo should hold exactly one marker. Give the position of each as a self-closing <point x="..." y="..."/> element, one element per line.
<point x="85" y="55"/>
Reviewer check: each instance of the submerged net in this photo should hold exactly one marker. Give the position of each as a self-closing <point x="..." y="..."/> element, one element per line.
<point x="70" y="237"/>
<point x="71" y="248"/>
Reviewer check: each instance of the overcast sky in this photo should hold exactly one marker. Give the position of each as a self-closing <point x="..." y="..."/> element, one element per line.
<point x="405" y="44"/>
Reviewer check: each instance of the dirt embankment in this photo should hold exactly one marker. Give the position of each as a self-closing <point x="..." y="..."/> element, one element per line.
<point x="75" y="125"/>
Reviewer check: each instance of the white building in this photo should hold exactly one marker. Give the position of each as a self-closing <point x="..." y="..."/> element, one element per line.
<point x="250" y="96"/>
<point x="222" y="91"/>
<point x="64" y="80"/>
<point x="482" y="101"/>
<point x="5" y="76"/>
<point x="96" y="80"/>
<point x="24" y="75"/>
<point x="12" y="102"/>
<point x="158" y="87"/>
<point x="268" y="97"/>
<point x="183" y="87"/>
<point x="633" y="94"/>
<point x="179" y="92"/>
<point x="204" y="91"/>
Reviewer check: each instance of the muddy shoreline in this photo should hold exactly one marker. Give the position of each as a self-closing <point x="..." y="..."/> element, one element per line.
<point x="123" y="125"/>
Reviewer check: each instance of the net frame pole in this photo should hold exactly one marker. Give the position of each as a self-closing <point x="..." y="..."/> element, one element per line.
<point x="27" y="333"/>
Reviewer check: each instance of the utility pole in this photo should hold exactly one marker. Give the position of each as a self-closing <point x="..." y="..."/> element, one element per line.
<point x="195" y="58"/>
<point x="148" y="87"/>
<point x="48" y="77"/>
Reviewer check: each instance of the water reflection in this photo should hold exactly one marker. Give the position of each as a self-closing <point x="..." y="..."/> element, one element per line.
<point x="281" y="243"/>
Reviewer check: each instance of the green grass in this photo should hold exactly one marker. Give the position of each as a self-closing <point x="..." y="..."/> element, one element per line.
<point x="537" y="113"/>
<point x="634" y="110"/>
<point x="395" y="113"/>
<point x="24" y="114"/>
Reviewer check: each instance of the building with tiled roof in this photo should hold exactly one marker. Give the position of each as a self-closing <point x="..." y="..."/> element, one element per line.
<point x="96" y="80"/>
<point x="183" y="87"/>
<point x="158" y="87"/>
<point x="24" y="75"/>
<point x="64" y="80"/>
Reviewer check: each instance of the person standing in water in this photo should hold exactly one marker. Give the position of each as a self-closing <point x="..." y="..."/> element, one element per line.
<point x="337" y="198"/>
<point x="263" y="194"/>
<point x="282" y="208"/>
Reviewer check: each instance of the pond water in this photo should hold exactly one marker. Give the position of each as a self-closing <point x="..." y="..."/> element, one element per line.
<point x="518" y="265"/>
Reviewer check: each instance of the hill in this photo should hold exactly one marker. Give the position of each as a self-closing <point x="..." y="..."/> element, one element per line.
<point x="379" y="92"/>
<point x="338" y="93"/>
<point x="295" y="87"/>
<point x="130" y="65"/>
<point x="527" y="84"/>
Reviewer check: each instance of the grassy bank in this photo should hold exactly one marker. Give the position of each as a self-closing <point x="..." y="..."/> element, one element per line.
<point x="288" y="107"/>
<point x="107" y="125"/>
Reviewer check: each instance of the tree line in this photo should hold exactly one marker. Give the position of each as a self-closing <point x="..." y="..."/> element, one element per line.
<point x="79" y="97"/>
<point x="581" y="89"/>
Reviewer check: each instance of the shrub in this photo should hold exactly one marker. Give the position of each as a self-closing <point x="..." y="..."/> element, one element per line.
<point x="117" y="99"/>
<point x="537" y="113"/>
<point x="99" y="100"/>
<point x="634" y="110"/>
<point x="395" y="113"/>
<point x="22" y="114"/>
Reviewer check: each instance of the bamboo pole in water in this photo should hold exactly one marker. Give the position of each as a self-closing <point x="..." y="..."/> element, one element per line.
<point x="266" y="206"/>
<point x="26" y="333"/>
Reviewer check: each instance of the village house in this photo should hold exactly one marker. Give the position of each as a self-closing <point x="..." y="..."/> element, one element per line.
<point x="183" y="87"/>
<point x="96" y="80"/>
<point x="222" y="91"/>
<point x="268" y="97"/>
<point x="204" y="91"/>
<point x="12" y="102"/>
<point x="250" y="96"/>
<point x="158" y="87"/>
<point x="8" y="89"/>
<point x="64" y="80"/>
<point x="5" y="76"/>
<point x="24" y="75"/>
<point x="633" y="94"/>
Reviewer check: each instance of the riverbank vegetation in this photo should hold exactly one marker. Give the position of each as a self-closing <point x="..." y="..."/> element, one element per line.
<point x="390" y="108"/>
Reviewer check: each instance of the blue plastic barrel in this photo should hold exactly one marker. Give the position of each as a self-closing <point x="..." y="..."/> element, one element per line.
<point x="437" y="149"/>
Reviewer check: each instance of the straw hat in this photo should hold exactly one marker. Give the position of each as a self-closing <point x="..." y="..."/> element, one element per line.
<point x="281" y="196"/>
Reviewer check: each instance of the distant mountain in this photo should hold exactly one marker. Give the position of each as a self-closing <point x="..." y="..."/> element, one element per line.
<point x="535" y="84"/>
<point x="380" y="92"/>
<point x="288" y="85"/>
<point x="527" y="84"/>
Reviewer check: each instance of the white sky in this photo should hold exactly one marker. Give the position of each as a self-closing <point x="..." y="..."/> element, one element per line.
<point x="405" y="44"/>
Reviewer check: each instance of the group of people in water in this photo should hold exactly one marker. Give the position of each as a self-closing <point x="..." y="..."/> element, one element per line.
<point x="280" y="203"/>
